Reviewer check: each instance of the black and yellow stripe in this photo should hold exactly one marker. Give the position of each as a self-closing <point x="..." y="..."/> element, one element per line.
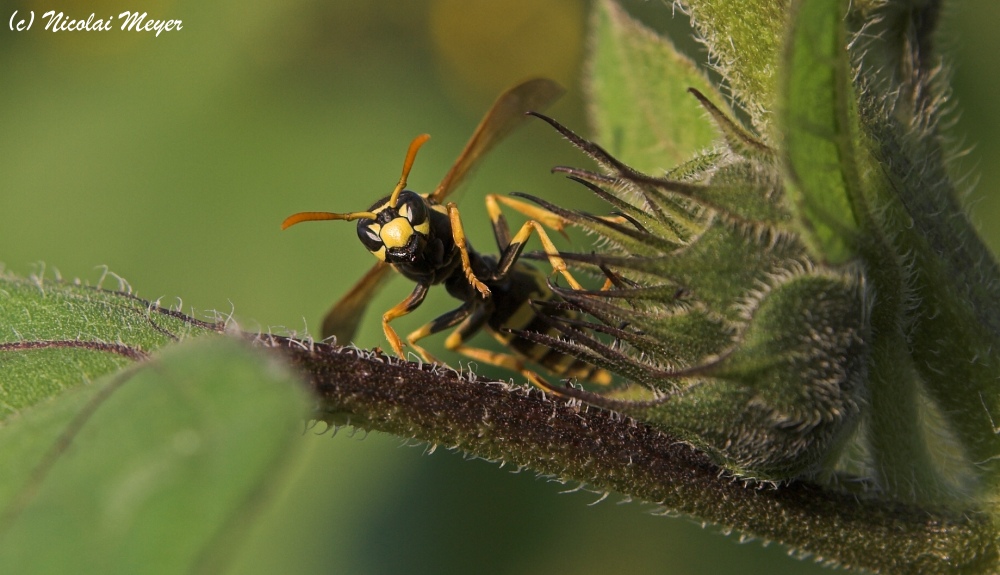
<point x="515" y="311"/>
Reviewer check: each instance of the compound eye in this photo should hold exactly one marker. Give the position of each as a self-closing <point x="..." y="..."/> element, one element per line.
<point x="412" y="207"/>
<point x="369" y="235"/>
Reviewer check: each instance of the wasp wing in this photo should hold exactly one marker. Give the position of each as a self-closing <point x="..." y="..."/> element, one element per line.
<point x="343" y="318"/>
<point x="507" y="113"/>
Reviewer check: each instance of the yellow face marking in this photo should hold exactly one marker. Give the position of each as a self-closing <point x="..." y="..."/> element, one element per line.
<point x="404" y="211"/>
<point x="396" y="233"/>
<point x="424" y="228"/>
<point x="380" y="253"/>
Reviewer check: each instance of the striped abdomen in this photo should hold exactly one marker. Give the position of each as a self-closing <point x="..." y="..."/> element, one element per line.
<point x="513" y="311"/>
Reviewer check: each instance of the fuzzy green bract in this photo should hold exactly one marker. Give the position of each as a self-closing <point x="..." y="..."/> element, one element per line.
<point x="639" y="83"/>
<point x="744" y="43"/>
<point x="817" y="124"/>
<point x="773" y="294"/>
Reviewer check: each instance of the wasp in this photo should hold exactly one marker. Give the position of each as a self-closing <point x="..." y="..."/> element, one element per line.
<point x="422" y="237"/>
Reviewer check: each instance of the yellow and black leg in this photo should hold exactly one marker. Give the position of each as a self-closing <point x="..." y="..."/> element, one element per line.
<point x="458" y="235"/>
<point x="404" y="307"/>
<point x="545" y="217"/>
<point x="511" y="248"/>
<point x="472" y="325"/>
<point x="500" y="228"/>
<point x="439" y="324"/>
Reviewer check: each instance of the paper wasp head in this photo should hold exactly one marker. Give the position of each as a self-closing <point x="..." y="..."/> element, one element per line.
<point x="398" y="233"/>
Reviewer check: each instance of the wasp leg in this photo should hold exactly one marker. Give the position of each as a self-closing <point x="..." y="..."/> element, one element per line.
<point x="404" y="307"/>
<point x="507" y="361"/>
<point x="439" y="324"/>
<point x="516" y="246"/>
<point x="511" y="248"/>
<point x="545" y="217"/>
<point x="458" y="235"/>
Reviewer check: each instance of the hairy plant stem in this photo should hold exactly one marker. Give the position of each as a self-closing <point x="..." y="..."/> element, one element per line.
<point x="559" y="437"/>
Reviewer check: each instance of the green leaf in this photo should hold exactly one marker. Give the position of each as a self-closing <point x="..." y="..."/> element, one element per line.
<point x="744" y="41"/>
<point x="818" y="124"/>
<point x="639" y="104"/>
<point x="56" y="336"/>
<point x="157" y="469"/>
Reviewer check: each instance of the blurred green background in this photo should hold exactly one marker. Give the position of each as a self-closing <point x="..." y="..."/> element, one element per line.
<point x="173" y="159"/>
